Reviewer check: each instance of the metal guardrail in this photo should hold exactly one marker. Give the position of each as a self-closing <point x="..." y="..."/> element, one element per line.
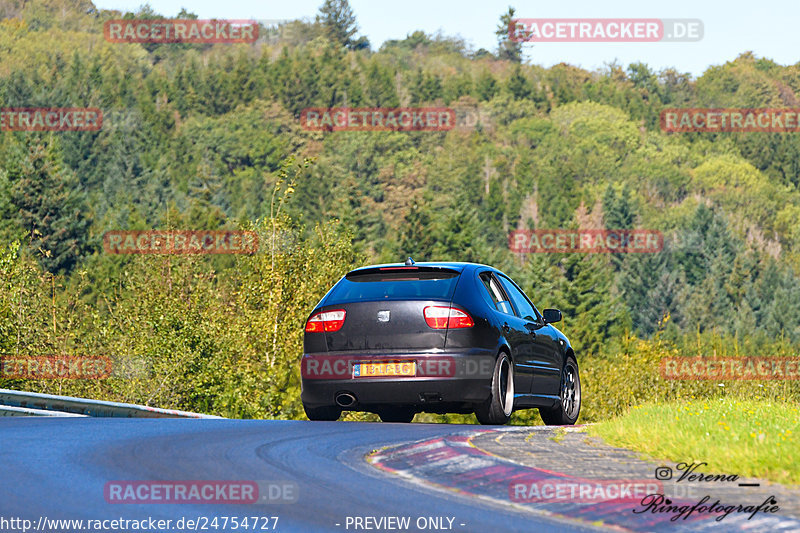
<point x="8" y="410"/>
<point x="35" y="404"/>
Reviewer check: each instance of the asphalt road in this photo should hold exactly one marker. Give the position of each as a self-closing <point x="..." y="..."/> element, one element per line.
<point x="59" y="468"/>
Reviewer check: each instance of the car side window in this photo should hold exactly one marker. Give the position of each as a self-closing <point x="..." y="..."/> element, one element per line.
<point x="499" y="299"/>
<point x="524" y="306"/>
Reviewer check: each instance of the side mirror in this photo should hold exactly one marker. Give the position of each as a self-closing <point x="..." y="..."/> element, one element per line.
<point x="551" y="315"/>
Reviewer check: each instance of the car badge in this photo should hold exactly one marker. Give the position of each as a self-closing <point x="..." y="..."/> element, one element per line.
<point x="383" y="316"/>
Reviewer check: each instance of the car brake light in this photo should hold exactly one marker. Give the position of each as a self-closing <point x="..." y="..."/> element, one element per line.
<point x="326" y="321"/>
<point x="446" y="317"/>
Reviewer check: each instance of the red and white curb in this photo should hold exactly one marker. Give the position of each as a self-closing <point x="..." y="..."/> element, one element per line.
<point x="454" y="464"/>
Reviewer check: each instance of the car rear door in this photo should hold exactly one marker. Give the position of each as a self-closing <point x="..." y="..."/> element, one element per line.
<point x="544" y="360"/>
<point x="514" y="331"/>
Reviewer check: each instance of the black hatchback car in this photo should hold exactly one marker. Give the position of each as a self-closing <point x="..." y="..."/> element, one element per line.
<point x="399" y="339"/>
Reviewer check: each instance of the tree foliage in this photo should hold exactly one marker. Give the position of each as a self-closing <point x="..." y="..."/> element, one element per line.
<point x="202" y="136"/>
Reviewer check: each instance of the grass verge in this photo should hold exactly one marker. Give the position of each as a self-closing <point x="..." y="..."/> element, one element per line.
<point x="753" y="438"/>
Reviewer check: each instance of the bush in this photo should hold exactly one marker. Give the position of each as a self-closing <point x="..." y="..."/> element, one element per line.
<point x="180" y="334"/>
<point x="614" y="383"/>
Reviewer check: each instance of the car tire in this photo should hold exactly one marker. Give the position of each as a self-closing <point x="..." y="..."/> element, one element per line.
<point x="497" y="409"/>
<point x="397" y="414"/>
<point x="326" y="413"/>
<point x="569" y="407"/>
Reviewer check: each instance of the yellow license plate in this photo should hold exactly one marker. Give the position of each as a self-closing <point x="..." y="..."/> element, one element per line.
<point x="378" y="370"/>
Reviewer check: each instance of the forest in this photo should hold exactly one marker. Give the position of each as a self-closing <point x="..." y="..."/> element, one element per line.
<point x="210" y="137"/>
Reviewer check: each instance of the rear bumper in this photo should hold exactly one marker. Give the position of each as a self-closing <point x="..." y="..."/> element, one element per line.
<point x="442" y="382"/>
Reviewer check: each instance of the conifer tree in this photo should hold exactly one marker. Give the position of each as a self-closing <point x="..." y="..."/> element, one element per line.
<point x="506" y="48"/>
<point x="618" y="215"/>
<point x="486" y="86"/>
<point x="416" y="237"/>
<point x="592" y="312"/>
<point x="339" y="24"/>
<point x="46" y="203"/>
<point x="380" y="89"/>
<point x="519" y="86"/>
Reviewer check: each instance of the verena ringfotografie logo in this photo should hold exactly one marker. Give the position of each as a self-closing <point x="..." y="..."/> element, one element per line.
<point x="200" y="492"/>
<point x="378" y="119"/>
<point x="180" y="31"/>
<point x="573" y="490"/>
<point x="730" y="368"/>
<point x="772" y="120"/>
<point x="180" y="242"/>
<point x="585" y="241"/>
<point x="50" y="119"/>
<point x="591" y="30"/>
<point x="54" y="367"/>
<point x="659" y="503"/>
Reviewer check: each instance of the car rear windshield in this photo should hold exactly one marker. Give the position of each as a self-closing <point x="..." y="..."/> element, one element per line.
<point x="398" y="283"/>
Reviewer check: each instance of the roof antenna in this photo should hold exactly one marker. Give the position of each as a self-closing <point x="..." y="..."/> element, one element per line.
<point x="409" y="262"/>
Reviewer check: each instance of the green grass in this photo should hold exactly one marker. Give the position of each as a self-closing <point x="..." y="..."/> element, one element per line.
<point x="758" y="438"/>
<point x="558" y="435"/>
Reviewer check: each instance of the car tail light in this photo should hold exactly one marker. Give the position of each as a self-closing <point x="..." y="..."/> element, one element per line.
<point x="326" y="321"/>
<point x="446" y="317"/>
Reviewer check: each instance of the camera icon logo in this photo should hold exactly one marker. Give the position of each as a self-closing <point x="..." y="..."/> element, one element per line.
<point x="663" y="473"/>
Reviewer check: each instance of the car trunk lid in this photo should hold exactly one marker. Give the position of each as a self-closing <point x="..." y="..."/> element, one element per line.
<point x="384" y="309"/>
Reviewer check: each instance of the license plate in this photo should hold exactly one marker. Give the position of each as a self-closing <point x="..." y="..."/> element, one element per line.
<point x="378" y="370"/>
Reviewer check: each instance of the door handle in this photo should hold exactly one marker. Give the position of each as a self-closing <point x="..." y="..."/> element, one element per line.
<point x="506" y="329"/>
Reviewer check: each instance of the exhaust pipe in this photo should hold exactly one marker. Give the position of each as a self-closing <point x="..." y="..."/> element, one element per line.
<point x="345" y="399"/>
